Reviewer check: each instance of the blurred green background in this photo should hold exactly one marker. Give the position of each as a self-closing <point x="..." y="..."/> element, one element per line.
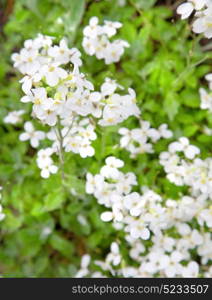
<point x="41" y="235"/>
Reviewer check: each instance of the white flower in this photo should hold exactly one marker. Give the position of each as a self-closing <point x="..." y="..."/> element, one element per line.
<point x="113" y="162"/>
<point x="206" y="99"/>
<point x="110" y="117"/>
<point x="47" y="170"/>
<point x="53" y="73"/>
<point x="183" y="145"/>
<point x="78" y="139"/>
<point x="110" y="170"/>
<point x="107" y="216"/>
<point x="186" y="8"/>
<point x="49" y="114"/>
<point x="127" y="136"/>
<point x="204" y="249"/>
<point x="93" y="29"/>
<point x="108" y="87"/>
<point x="199" y="4"/>
<point x="14" y="117"/>
<point x="205" y="216"/>
<point x="60" y="53"/>
<point x="43" y="40"/>
<point x="164" y="131"/>
<point x="203" y="16"/>
<point x="114" y="256"/>
<point x="86" y="149"/>
<point x="136" y="140"/>
<point x="38" y="97"/>
<point x="89" y="45"/>
<point x="44" y="157"/>
<point x="32" y="135"/>
<point x="26" y="61"/>
<point x="208" y="77"/>
<point x="2" y="215"/>
<point x="28" y="81"/>
<point x="203" y="24"/>
<point x="138" y="230"/>
<point x="110" y="27"/>
<point x="85" y="261"/>
<point x="75" y="57"/>
<point x="170" y="264"/>
<point x="207" y="130"/>
<point x="133" y="202"/>
<point x="114" y="51"/>
<point x="72" y="144"/>
<point x="93" y="182"/>
<point x="46" y="231"/>
<point x="96" y="42"/>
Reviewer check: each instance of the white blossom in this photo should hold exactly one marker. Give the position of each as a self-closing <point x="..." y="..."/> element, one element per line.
<point x="31" y="134"/>
<point x="62" y="97"/>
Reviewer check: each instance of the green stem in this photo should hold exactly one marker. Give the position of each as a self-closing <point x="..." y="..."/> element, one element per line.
<point x="69" y="129"/>
<point x="61" y="153"/>
<point x="60" y="139"/>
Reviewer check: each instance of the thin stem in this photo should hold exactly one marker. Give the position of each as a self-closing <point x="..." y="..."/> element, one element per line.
<point x="60" y="139"/>
<point x="69" y="129"/>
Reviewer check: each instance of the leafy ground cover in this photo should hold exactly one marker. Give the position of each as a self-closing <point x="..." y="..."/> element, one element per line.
<point x="51" y="223"/>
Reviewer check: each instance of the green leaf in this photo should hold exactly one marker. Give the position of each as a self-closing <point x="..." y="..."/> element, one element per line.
<point x="54" y="200"/>
<point x="190" y="98"/>
<point x="32" y="5"/>
<point x="171" y="105"/>
<point x="75" y="10"/>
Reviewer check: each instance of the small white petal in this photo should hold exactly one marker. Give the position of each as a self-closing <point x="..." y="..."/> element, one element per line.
<point x="185" y="10"/>
<point x="106" y="216"/>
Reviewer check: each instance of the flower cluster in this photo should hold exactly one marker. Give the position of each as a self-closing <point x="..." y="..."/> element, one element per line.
<point x="193" y="172"/>
<point x="76" y="138"/>
<point x="137" y="140"/>
<point x="84" y="271"/>
<point x="203" y="15"/>
<point x="149" y="216"/>
<point x="136" y="213"/>
<point x="45" y="162"/>
<point x="65" y="100"/>
<point x="164" y="259"/>
<point x="158" y="232"/>
<point x="96" y="40"/>
<point x="206" y="97"/>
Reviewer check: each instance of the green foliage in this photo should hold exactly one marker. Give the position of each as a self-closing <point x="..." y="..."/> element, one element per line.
<point x="165" y="68"/>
